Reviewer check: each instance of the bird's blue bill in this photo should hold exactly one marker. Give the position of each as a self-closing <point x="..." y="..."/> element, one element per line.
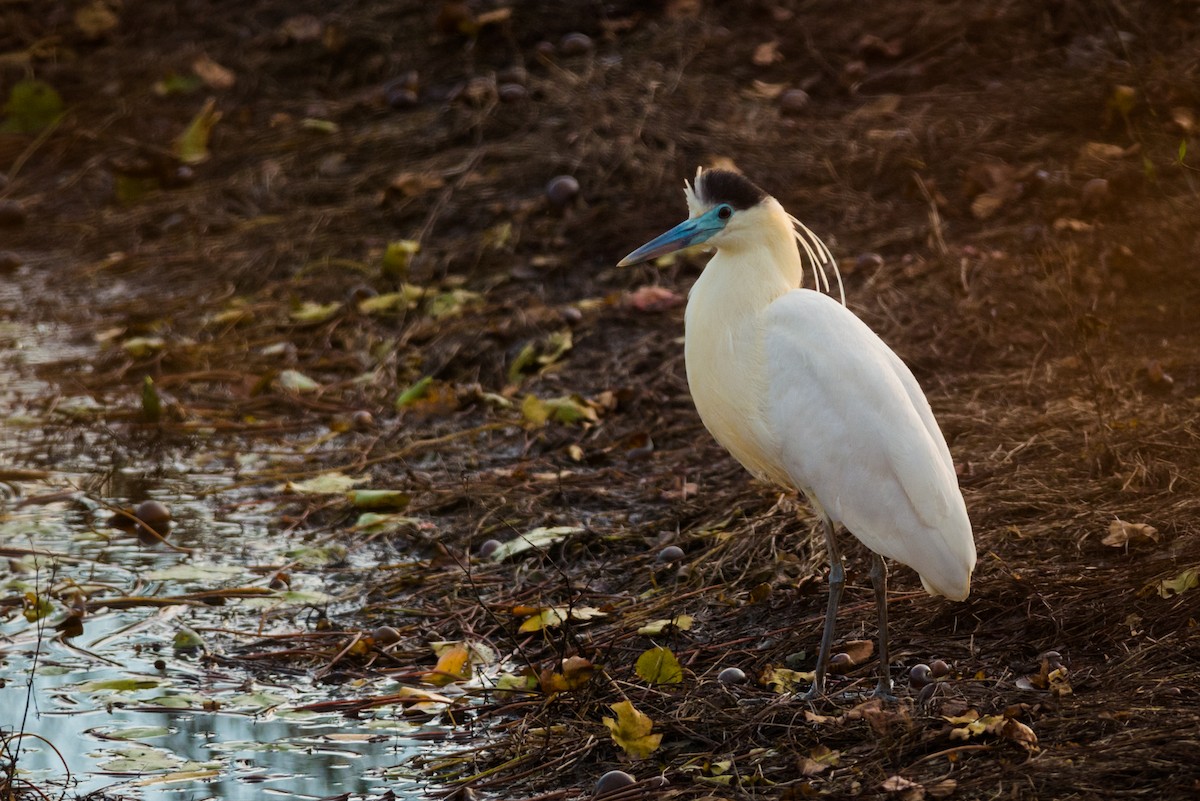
<point x="687" y="233"/>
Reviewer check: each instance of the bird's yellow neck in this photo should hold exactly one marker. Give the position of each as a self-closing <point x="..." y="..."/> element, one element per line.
<point x="723" y="342"/>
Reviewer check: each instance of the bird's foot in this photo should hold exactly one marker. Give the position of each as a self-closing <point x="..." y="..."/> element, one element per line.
<point x="814" y="693"/>
<point x="883" y="691"/>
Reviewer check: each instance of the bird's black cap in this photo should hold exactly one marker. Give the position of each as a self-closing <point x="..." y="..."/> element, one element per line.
<point x="725" y="186"/>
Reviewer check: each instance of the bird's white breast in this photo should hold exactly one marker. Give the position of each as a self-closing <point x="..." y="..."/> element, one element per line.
<point x="725" y="357"/>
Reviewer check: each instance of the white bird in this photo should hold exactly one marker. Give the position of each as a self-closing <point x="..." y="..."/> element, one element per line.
<point x="805" y="395"/>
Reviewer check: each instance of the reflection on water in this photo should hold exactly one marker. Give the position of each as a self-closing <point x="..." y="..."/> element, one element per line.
<point x="125" y="711"/>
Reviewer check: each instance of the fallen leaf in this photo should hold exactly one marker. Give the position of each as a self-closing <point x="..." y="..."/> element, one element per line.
<point x="819" y="760"/>
<point x="301" y="28"/>
<point x="332" y="483"/>
<point x="453" y="665"/>
<point x="31" y="107"/>
<point x="659" y="666"/>
<point x="859" y="651"/>
<point x="191" y="147"/>
<point x="213" y="74"/>
<point x="143" y="347"/>
<point x="656" y="627"/>
<point x="1121" y="534"/>
<point x="398" y="256"/>
<point x="783" y="680"/>
<point x="651" y="298"/>
<point x="310" y="312"/>
<point x="1185" y="581"/>
<point x="767" y="54"/>
<point x="898" y="784"/>
<point x="95" y="19"/>
<point x="557" y="615"/>
<point x="567" y="409"/>
<point x="538" y="538"/>
<point x="379" y="499"/>
<point x="631" y="730"/>
<point x="411" y="184"/>
<point x="296" y="381"/>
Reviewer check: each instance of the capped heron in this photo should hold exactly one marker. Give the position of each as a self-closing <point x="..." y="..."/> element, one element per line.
<point x="805" y="395"/>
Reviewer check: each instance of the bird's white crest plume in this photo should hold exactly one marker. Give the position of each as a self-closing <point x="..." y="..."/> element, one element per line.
<point x="805" y="395"/>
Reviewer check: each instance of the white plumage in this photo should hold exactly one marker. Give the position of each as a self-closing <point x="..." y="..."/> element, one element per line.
<point x="805" y="395"/>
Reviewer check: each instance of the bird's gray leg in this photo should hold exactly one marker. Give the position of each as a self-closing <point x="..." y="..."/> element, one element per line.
<point x="879" y="582"/>
<point x="837" y="581"/>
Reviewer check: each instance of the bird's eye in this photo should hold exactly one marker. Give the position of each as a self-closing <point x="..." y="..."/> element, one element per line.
<point x="725" y="212"/>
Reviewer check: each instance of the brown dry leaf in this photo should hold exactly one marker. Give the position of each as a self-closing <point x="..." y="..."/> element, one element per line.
<point x="820" y="759"/>
<point x="766" y="91"/>
<point x="859" y="651"/>
<point x="767" y="54"/>
<point x="882" y="106"/>
<point x="96" y="19"/>
<point x="651" y="299"/>
<point x="1184" y="119"/>
<point x="680" y="9"/>
<point x="576" y="672"/>
<point x="213" y="74"/>
<point x="889" y="48"/>
<point x="301" y="28"/>
<point x="411" y="184"/>
<point x="943" y="789"/>
<point x="1070" y="224"/>
<point x="1019" y="733"/>
<point x="1121" y="534"/>
<point x="905" y="788"/>
<point x="1100" y="154"/>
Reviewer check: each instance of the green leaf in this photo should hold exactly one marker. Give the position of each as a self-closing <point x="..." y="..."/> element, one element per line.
<point x="414" y="393"/>
<point x="331" y="483"/>
<point x="191" y="147"/>
<point x="398" y="257"/>
<point x="143" y="347"/>
<point x="539" y="538"/>
<point x="1187" y="580"/>
<point x="319" y="555"/>
<point x="296" y="381"/>
<point x="379" y="498"/>
<point x="1182" y="150"/>
<point x="405" y="298"/>
<point x="310" y="312"/>
<point x="151" y="402"/>
<point x="187" y="639"/>
<point x="32" y="106"/>
<point x="659" y="666"/>
<point x="525" y="359"/>
<point x="452" y="303"/>
<point x="138" y="733"/>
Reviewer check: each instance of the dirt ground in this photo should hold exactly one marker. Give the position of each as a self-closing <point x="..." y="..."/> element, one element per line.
<point x="1011" y="189"/>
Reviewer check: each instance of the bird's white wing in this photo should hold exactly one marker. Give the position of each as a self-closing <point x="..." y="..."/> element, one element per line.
<point x="857" y="435"/>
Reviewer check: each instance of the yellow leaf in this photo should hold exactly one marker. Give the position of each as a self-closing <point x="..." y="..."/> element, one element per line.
<point x="631" y="731"/>
<point x="192" y="145"/>
<point x="453" y="665"/>
<point x="551" y="616"/>
<point x="783" y="680"/>
<point x="659" y="666"/>
<point x="656" y="627"/>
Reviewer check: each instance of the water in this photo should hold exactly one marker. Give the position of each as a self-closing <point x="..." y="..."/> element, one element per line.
<point x="119" y="709"/>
